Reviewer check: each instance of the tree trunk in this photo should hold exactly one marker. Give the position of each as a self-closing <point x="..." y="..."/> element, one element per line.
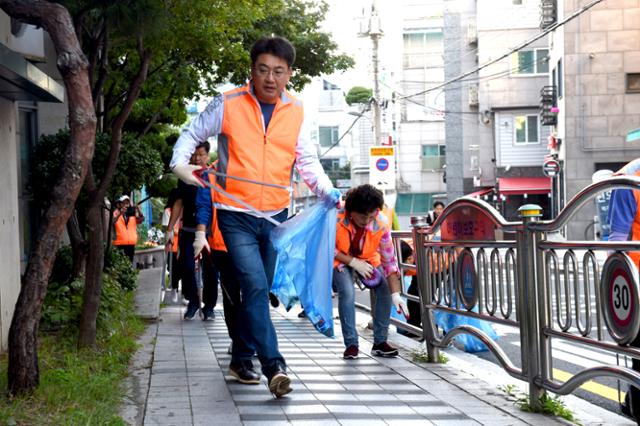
<point x="78" y="246"/>
<point x="23" y="371"/>
<point x="93" y="278"/>
<point x="95" y="255"/>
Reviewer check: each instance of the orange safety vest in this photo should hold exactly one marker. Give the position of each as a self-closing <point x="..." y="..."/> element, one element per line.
<point x="216" y="242"/>
<point x="635" y="226"/>
<point x="372" y="238"/>
<point x="126" y="233"/>
<point x="245" y="150"/>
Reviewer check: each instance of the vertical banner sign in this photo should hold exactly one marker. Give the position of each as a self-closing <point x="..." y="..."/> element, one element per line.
<point x="382" y="167"/>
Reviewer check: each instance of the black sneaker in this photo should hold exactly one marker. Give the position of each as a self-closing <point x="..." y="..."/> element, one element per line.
<point x="244" y="374"/>
<point x="279" y="384"/>
<point x="208" y="315"/>
<point x="273" y="300"/>
<point x="192" y="310"/>
<point x="302" y="314"/>
<point x="384" y="349"/>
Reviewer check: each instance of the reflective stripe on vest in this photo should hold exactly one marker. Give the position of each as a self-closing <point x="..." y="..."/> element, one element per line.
<point x="245" y="150"/>
<point x="372" y="239"/>
<point x="126" y="233"/>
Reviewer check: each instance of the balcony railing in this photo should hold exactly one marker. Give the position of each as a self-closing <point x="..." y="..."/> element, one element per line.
<point x="548" y="109"/>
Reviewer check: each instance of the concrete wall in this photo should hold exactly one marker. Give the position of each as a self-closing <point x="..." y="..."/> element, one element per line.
<point x="9" y="224"/>
<point x="461" y="128"/>
<point x="599" y="48"/>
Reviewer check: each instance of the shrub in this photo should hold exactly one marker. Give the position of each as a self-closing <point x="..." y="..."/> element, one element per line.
<point x="119" y="267"/>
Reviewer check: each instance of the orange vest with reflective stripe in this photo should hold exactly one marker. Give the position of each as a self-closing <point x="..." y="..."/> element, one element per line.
<point x="635" y="226"/>
<point x="245" y="150"/>
<point x="126" y="233"/>
<point x="216" y="242"/>
<point x="371" y="243"/>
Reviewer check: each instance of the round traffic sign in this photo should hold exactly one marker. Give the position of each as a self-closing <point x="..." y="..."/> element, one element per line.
<point x="382" y="164"/>
<point x="619" y="297"/>
<point x="467" y="279"/>
<point x="551" y="168"/>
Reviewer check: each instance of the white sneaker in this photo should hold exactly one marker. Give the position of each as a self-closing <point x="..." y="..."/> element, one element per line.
<point x="174" y="295"/>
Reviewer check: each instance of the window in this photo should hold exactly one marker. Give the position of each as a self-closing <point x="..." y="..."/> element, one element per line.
<point x="530" y="62"/>
<point x="411" y="204"/>
<point x="559" y="79"/>
<point x="633" y="83"/>
<point x="433" y="157"/>
<point x="423" y="49"/>
<point x="329" y="86"/>
<point x="526" y="129"/>
<point x="330" y="164"/>
<point x="328" y="136"/>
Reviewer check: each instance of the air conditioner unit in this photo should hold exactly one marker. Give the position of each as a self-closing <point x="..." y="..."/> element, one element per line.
<point x="472" y="33"/>
<point x="473" y="96"/>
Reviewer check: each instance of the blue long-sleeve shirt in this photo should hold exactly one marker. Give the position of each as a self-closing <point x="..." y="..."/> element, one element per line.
<point x="622" y="211"/>
<point x="204" y="204"/>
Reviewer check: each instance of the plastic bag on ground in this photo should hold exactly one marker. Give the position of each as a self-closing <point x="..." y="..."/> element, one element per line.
<point x="305" y="245"/>
<point x="468" y="343"/>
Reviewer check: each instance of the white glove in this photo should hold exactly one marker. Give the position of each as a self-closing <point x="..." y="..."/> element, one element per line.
<point x="361" y="267"/>
<point x="185" y="173"/>
<point x="168" y="242"/>
<point x="401" y="307"/>
<point x="199" y="243"/>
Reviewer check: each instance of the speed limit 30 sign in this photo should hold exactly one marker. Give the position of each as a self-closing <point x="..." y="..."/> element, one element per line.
<point x="619" y="297"/>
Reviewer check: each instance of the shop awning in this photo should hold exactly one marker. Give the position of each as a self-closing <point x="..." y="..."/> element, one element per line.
<point x="480" y="193"/>
<point x="524" y="185"/>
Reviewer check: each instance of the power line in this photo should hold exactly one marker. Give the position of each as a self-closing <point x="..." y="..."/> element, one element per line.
<point x="515" y="49"/>
<point x="345" y="133"/>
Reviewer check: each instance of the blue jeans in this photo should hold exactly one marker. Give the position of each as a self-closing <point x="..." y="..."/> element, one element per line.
<point x="343" y="282"/>
<point x="253" y="258"/>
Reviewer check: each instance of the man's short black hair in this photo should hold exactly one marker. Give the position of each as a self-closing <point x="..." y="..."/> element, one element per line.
<point x="206" y="145"/>
<point x="364" y="199"/>
<point x="438" y="203"/>
<point x="277" y="46"/>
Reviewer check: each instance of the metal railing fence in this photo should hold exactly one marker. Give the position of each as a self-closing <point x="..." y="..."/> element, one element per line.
<point x="473" y="262"/>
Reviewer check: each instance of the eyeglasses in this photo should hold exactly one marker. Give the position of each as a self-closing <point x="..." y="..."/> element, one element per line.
<point x="277" y="73"/>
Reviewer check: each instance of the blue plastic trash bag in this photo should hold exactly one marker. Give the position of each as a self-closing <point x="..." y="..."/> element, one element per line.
<point x="305" y="245"/>
<point x="448" y="321"/>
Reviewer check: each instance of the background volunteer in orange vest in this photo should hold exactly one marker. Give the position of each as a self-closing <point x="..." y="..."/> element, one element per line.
<point x="206" y="216"/>
<point x="258" y="127"/>
<point x="126" y="218"/>
<point x="171" y="246"/>
<point x="624" y="218"/>
<point x="364" y="247"/>
<point x="185" y="207"/>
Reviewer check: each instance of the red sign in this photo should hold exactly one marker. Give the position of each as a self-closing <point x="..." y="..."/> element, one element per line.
<point x="468" y="223"/>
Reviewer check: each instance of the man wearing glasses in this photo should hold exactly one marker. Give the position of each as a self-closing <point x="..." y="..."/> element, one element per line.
<point x="259" y="141"/>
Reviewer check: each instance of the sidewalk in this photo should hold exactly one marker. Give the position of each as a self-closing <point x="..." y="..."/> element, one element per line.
<point x="180" y="378"/>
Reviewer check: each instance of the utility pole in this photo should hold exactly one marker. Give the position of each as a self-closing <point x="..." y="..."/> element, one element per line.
<point x="375" y="32"/>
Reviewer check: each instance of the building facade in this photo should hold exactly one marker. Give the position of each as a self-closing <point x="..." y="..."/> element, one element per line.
<point x="594" y="76"/>
<point x="31" y="103"/>
<point x="496" y="145"/>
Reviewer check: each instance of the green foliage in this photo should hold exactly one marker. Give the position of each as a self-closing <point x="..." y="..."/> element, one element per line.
<point x="359" y="95"/>
<point x="119" y="267"/>
<point x="140" y="163"/>
<point x="78" y="387"/>
<point x="63" y="303"/>
<point x="421" y="355"/>
<point x="549" y="405"/>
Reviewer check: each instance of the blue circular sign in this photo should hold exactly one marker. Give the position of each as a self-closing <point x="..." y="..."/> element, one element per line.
<point x="382" y="164"/>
